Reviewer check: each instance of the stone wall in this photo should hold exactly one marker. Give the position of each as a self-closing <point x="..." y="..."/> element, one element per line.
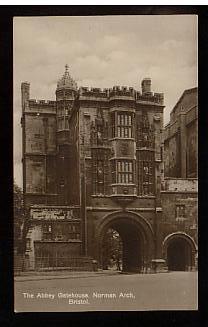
<point x="180" y="185"/>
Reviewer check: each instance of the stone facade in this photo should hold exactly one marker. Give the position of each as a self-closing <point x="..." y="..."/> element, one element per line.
<point x="179" y="221"/>
<point x="181" y="137"/>
<point x="179" y="193"/>
<point x="93" y="160"/>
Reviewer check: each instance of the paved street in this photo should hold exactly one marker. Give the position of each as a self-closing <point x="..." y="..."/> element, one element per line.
<point x="164" y="291"/>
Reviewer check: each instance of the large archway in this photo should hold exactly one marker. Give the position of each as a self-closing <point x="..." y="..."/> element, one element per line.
<point x="180" y="250"/>
<point x="136" y="236"/>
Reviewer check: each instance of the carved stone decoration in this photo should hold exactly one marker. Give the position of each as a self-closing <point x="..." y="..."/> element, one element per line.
<point x="145" y="133"/>
<point x="99" y="131"/>
<point x="124" y="148"/>
<point x="52" y="214"/>
<point x="100" y="170"/>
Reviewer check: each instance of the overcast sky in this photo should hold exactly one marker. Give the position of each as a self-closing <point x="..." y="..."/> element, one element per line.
<point x="102" y="52"/>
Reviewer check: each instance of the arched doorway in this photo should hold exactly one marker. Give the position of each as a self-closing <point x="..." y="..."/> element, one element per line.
<point x="180" y="252"/>
<point x="136" y="238"/>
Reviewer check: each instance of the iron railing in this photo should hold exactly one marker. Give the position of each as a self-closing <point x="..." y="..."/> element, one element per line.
<point x="70" y="263"/>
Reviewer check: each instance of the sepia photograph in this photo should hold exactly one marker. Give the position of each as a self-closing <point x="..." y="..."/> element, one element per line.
<point x="105" y="126"/>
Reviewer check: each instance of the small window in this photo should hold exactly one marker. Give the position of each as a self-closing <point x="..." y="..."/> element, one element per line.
<point x="124" y="125"/>
<point x="125" y="171"/>
<point x="180" y="211"/>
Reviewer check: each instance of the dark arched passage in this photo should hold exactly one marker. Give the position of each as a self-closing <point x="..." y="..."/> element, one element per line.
<point x="137" y="240"/>
<point x="180" y="252"/>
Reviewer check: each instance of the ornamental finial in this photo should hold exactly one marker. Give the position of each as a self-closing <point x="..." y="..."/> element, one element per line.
<point x="66" y="68"/>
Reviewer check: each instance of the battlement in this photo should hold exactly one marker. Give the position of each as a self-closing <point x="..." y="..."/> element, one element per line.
<point x="150" y="97"/>
<point x="122" y="91"/>
<point x="107" y="93"/>
<point x="93" y="92"/>
<point x="41" y="106"/>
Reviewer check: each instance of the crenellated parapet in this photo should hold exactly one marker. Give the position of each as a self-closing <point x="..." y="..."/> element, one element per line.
<point x="122" y="92"/>
<point x="96" y="94"/>
<point x="40" y="107"/>
<point x="150" y="97"/>
<point x="147" y="96"/>
<point x="106" y="94"/>
<point x="159" y="97"/>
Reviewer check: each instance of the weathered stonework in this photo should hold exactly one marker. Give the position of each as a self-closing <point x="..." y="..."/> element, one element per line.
<point x="179" y="196"/>
<point x="181" y="137"/>
<point x="93" y="160"/>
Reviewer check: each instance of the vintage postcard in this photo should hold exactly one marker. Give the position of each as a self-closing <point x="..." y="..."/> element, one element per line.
<point x="105" y="163"/>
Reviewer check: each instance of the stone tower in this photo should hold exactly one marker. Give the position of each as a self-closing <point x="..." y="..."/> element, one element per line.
<point x="65" y="95"/>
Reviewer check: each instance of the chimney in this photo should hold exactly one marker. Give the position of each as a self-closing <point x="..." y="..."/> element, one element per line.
<point x="146" y="86"/>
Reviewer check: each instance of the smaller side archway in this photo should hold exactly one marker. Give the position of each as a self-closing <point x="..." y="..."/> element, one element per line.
<point x="179" y="250"/>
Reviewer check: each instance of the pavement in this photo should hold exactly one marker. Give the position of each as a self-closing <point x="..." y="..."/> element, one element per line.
<point x="41" y="275"/>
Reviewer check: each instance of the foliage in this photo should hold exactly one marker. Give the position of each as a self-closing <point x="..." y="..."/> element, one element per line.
<point x="18" y="202"/>
<point x="19" y="219"/>
<point x="112" y="248"/>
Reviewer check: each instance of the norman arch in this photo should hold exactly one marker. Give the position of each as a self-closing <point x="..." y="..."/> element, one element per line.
<point x="137" y="239"/>
<point x="179" y="250"/>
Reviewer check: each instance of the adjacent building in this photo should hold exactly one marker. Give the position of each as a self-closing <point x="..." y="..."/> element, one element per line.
<point x="181" y="137"/>
<point x="180" y="187"/>
<point x="93" y="161"/>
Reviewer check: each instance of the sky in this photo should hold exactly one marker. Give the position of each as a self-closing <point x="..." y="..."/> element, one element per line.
<point x="102" y="51"/>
